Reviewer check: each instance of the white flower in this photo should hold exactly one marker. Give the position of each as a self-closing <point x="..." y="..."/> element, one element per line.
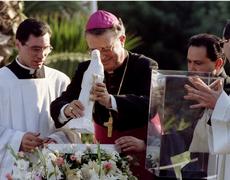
<point x="78" y="155"/>
<point x="94" y="175"/>
<point x="29" y="176"/>
<point x="52" y="156"/>
<point x="72" y="167"/>
<point x="112" y="177"/>
<point x="17" y="173"/>
<point x="85" y="172"/>
<point x="114" y="155"/>
<point x="22" y="164"/>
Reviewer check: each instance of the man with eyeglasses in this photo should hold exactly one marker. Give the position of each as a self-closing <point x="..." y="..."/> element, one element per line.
<point x="124" y="94"/>
<point x="25" y="121"/>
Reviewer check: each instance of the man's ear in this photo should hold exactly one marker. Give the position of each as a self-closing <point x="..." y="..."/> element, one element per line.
<point x="219" y="64"/>
<point x="122" y="40"/>
<point x="17" y="44"/>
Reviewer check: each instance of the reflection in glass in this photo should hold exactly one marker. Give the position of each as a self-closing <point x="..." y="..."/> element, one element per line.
<point x="174" y="149"/>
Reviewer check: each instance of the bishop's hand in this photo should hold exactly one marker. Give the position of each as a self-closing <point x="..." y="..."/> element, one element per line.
<point x="130" y="143"/>
<point x="100" y="94"/>
<point x="75" y="109"/>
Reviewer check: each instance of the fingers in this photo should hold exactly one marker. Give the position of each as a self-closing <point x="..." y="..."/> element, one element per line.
<point x="75" y="109"/>
<point x="196" y="79"/>
<point x="128" y="147"/>
<point x="198" y="96"/>
<point x="217" y="85"/>
<point x="202" y="93"/>
<point x="99" y="90"/>
<point x="200" y="105"/>
<point x="99" y="93"/>
<point x="194" y="94"/>
<point x="30" y="141"/>
<point x="130" y="143"/>
<point x="48" y="140"/>
<point x="99" y="87"/>
<point x="199" y="84"/>
<point x="124" y="144"/>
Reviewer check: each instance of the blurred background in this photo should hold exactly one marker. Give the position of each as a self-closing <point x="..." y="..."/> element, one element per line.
<point x="158" y="29"/>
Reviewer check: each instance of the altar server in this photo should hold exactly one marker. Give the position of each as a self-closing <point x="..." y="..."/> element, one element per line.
<point x="27" y="88"/>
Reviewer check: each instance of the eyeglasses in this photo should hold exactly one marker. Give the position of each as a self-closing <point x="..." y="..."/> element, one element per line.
<point x="38" y="49"/>
<point x="105" y="50"/>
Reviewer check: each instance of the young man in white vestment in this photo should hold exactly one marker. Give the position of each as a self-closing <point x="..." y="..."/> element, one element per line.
<point x="27" y="88"/>
<point x="217" y="101"/>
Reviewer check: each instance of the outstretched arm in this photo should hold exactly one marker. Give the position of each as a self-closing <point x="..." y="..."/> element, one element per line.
<point x="205" y="95"/>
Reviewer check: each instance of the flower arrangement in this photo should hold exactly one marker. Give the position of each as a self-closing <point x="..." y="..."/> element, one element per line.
<point x="86" y="165"/>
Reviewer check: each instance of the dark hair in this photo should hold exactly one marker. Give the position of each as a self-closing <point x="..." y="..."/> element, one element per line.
<point x="118" y="29"/>
<point x="31" y="26"/>
<point x="212" y="43"/>
<point x="226" y="32"/>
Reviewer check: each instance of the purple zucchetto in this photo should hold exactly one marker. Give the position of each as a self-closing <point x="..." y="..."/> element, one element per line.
<point x="101" y="20"/>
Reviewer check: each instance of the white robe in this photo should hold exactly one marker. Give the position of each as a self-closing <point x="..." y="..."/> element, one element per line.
<point x="200" y="142"/>
<point x="24" y="107"/>
<point x="219" y="139"/>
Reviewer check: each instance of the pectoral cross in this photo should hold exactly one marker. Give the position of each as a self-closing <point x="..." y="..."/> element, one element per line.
<point x="109" y="125"/>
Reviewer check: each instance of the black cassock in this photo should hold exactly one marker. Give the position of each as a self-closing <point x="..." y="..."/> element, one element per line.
<point x="132" y="101"/>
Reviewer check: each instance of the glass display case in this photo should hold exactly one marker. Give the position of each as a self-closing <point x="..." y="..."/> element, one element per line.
<point x="177" y="145"/>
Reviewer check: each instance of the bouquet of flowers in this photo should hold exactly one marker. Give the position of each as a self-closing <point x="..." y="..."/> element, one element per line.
<point x="87" y="165"/>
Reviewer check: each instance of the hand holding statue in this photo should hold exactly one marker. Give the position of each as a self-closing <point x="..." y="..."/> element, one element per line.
<point x="205" y="95"/>
<point x="99" y="93"/>
<point x="75" y="109"/>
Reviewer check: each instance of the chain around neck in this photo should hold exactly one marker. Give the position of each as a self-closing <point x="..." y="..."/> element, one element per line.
<point x="123" y="76"/>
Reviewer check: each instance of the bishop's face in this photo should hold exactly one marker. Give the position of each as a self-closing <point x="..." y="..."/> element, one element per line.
<point x="34" y="51"/>
<point x="111" y="49"/>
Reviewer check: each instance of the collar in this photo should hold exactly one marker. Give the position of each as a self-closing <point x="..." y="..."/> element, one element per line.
<point x="31" y="70"/>
<point x="123" y="64"/>
<point x="23" y="72"/>
<point x="121" y="67"/>
<point x="222" y="73"/>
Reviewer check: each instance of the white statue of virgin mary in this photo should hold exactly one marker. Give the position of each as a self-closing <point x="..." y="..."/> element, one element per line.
<point x="94" y="74"/>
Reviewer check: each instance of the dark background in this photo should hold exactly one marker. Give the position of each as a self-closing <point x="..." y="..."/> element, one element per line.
<point x="165" y="27"/>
